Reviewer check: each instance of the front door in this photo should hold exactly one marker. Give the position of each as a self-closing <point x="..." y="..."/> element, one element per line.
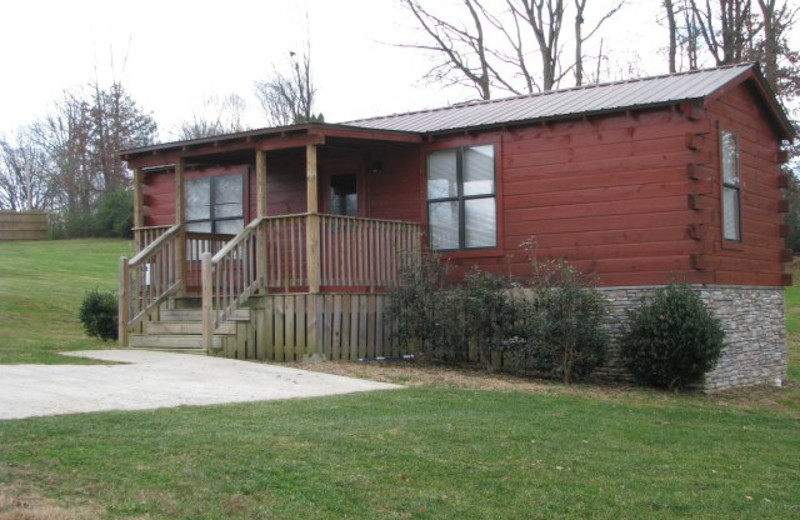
<point x="341" y="190"/>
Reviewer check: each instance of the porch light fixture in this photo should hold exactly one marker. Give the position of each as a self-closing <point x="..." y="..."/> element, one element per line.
<point x="376" y="167"/>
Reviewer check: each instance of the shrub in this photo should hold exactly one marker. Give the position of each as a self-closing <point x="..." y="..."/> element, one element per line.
<point x="565" y="335"/>
<point x="672" y="341"/>
<point x="427" y="314"/>
<point x="114" y="217"/>
<point x="99" y="314"/>
<point x="494" y="314"/>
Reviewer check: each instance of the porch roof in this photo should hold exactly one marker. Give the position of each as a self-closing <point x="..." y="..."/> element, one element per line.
<point x="268" y="139"/>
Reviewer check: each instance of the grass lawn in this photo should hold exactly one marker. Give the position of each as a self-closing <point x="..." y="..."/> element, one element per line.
<point x="454" y="445"/>
<point x="42" y="285"/>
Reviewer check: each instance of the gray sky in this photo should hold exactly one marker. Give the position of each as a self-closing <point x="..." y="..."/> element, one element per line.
<point x="170" y="55"/>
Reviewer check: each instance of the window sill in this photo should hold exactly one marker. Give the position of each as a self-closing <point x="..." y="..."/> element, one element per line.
<point x="472" y="253"/>
<point x="731" y="245"/>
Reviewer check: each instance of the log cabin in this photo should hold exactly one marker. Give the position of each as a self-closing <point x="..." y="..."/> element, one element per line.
<point x="280" y="243"/>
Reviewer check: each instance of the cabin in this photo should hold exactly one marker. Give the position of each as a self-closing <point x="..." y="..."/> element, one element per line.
<point x="281" y="243"/>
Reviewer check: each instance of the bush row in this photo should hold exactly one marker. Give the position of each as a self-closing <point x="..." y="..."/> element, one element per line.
<point x="553" y="325"/>
<point x="112" y="218"/>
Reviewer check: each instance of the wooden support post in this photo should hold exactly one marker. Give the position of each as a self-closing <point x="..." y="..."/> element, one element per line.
<point x="261" y="183"/>
<point x="312" y="221"/>
<point x="138" y="203"/>
<point x="124" y="298"/>
<point x="208" y="297"/>
<point x="261" y="239"/>
<point x="180" y="219"/>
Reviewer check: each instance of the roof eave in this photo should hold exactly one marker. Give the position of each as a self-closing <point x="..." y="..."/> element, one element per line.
<point x="253" y="136"/>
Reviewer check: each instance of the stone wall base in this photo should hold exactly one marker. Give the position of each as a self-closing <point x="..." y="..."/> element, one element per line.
<point x="755" y="333"/>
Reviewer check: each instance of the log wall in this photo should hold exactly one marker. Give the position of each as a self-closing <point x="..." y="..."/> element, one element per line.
<point x="634" y="198"/>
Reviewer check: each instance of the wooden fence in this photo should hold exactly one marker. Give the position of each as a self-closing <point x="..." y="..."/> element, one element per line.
<point x="29" y="225"/>
<point x="334" y="326"/>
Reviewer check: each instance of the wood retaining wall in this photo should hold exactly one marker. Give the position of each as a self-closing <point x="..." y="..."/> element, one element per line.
<point x="28" y="225"/>
<point x="291" y="327"/>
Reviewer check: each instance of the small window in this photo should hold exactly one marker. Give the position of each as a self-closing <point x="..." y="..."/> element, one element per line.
<point x="215" y="204"/>
<point x="462" y="209"/>
<point x="344" y="195"/>
<point x="731" y="188"/>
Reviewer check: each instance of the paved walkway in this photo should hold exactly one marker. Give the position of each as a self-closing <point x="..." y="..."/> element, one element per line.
<point x="157" y="380"/>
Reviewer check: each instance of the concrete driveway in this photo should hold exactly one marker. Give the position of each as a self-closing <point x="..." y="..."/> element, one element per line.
<point x="157" y="380"/>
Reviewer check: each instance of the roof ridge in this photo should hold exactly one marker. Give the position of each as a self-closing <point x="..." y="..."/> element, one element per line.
<point x="481" y="102"/>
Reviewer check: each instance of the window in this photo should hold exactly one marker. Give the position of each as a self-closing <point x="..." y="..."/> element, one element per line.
<point x="344" y="195"/>
<point x="462" y="212"/>
<point x="731" y="188"/>
<point x="215" y="204"/>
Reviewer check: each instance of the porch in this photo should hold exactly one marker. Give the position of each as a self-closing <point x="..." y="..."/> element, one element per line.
<point x="285" y="286"/>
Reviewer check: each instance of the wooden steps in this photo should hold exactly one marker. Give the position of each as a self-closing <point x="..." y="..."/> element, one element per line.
<point x="180" y="328"/>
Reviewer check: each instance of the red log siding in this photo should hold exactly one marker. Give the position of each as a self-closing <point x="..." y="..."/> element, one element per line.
<point x="158" y="190"/>
<point x="286" y="184"/>
<point x="394" y="192"/>
<point x="608" y="194"/>
<point x="756" y="260"/>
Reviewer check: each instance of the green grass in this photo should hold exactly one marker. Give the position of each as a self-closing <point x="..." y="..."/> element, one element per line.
<point x="427" y="452"/>
<point x="793" y="328"/>
<point x="417" y="453"/>
<point x="42" y="285"/>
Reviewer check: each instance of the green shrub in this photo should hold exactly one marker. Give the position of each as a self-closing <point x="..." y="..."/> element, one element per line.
<point x="114" y="217"/>
<point x="672" y="341"/>
<point x="564" y="332"/>
<point x="494" y="314"/>
<point x="99" y="314"/>
<point x="428" y="315"/>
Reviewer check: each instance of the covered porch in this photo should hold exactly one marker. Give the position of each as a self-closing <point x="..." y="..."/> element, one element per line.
<point x="245" y="246"/>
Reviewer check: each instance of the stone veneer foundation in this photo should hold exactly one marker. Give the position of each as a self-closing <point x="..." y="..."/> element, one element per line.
<point x="755" y="332"/>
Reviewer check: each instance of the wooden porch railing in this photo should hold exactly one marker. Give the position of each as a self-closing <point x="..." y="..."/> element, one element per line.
<point x="364" y="252"/>
<point x="285" y="239"/>
<point x="147" y="279"/>
<point x="144" y="236"/>
<point x="196" y="244"/>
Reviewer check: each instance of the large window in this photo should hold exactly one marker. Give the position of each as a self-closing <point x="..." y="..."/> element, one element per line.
<point x="215" y="204"/>
<point x="731" y="188"/>
<point x="462" y="211"/>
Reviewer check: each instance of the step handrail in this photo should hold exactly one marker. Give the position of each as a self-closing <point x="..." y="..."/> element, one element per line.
<point x="230" y="277"/>
<point x="147" y="279"/>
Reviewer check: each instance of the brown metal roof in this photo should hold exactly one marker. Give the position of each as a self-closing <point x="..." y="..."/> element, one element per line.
<point x="556" y="104"/>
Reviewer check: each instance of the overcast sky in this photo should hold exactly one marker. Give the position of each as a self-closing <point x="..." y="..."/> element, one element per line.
<point x="170" y="55"/>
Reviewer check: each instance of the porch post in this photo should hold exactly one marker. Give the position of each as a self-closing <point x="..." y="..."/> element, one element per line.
<point x="180" y="219"/>
<point x="312" y="221"/>
<point x="312" y="249"/>
<point x="124" y="299"/>
<point x="138" y="203"/>
<point x="261" y="204"/>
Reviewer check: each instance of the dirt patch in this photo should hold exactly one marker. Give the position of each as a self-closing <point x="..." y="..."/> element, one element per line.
<point x="21" y="503"/>
<point x="784" y="400"/>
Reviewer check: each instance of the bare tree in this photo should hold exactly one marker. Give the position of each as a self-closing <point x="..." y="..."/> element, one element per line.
<point x="218" y="116"/>
<point x="117" y="122"/>
<point x="464" y="57"/>
<point x="672" y="27"/>
<point x="580" y="39"/>
<point x="726" y="30"/>
<point x="24" y="183"/>
<point x="517" y="49"/>
<point x="781" y="60"/>
<point x="289" y="98"/>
